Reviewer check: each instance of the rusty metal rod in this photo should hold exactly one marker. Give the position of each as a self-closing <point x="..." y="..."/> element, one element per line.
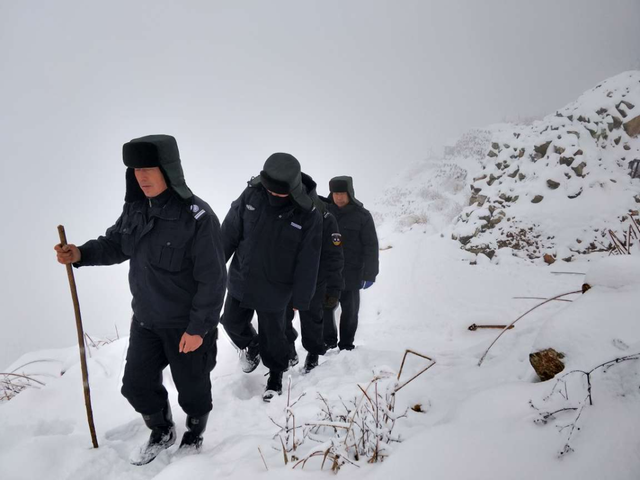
<point x="474" y="327"/>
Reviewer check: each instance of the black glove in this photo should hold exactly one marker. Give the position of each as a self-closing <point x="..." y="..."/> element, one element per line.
<point x="331" y="300"/>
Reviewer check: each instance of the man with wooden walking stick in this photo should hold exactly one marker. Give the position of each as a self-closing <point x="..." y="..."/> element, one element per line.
<point x="177" y="277"/>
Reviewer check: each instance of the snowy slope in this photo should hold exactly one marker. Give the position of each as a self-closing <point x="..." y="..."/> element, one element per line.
<point x="460" y="420"/>
<point x="477" y="421"/>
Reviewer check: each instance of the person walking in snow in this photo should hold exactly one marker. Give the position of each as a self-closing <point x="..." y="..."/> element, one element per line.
<point x="328" y="287"/>
<point x="177" y="278"/>
<point x="274" y="233"/>
<point x="360" y="245"/>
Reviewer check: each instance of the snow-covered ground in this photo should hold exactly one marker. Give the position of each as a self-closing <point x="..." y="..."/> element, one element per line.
<point x="477" y="422"/>
<point x="461" y="420"/>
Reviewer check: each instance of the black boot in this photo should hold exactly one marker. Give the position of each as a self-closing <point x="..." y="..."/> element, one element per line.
<point x="163" y="435"/>
<point x="293" y="359"/>
<point x="310" y="362"/>
<point x="192" y="438"/>
<point x="274" y="385"/>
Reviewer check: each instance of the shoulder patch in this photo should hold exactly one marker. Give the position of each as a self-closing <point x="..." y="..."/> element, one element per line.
<point x="336" y="239"/>
<point x="251" y="208"/>
<point x="197" y="211"/>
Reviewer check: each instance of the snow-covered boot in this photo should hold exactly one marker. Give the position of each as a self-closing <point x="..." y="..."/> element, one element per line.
<point x="163" y="435"/>
<point x="250" y="358"/>
<point x="192" y="438"/>
<point x="274" y="385"/>
<point x="310" y="362"/>
<point x="293" y="359"/>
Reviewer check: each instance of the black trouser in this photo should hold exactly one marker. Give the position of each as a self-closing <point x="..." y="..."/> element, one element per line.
<point x="311" y="324"/>
<point x="150" y="351"/>
<point x="350" y="304"/>
<point x="271" y="338"/>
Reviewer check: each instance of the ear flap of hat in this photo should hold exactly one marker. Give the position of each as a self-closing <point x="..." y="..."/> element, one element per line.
<point x="300" y="197"/>
<point x="133" y="191"/>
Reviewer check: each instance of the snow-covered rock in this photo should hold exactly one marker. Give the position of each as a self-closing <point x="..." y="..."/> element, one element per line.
<point x="561" y="183"/>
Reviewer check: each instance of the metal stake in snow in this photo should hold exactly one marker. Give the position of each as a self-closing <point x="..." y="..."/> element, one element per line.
<point x="83" y="357"/>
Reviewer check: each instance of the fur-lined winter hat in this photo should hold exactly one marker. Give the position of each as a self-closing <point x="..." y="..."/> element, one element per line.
<point x="154" y="151"/>
<point x="344" y="184"/>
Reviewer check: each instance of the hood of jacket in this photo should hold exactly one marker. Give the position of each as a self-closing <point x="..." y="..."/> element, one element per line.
<point x="311" y="186"/>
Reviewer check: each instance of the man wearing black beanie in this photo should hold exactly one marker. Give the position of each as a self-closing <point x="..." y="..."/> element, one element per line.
<point x="274" y="233"/>
<point x="177" y="277"/>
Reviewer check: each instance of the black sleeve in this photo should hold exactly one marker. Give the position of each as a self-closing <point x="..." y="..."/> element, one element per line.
<point x="210" y="273"/>
<point x="232" y="227"/>
<point x="106" y="249"/>
<point x="332" y="256"/>
<point x="305" y="274"/>
<point x="369" y="240"/>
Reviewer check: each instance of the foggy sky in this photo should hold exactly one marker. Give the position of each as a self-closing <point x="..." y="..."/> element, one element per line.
<point x="349" y="87"/>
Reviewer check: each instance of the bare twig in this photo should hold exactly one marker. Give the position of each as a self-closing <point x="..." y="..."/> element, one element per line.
<point x="36" y="361"/>
<point x="22" y="376"/>
<point x="521" y="316"/>
<point x="263" y="460"/>
<point x="398" y="388"/>
<point x="618" y="244"/>
<point x="284" y="451"/>
<point x="542" y="298"/>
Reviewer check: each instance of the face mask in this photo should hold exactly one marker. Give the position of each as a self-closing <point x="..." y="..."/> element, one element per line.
<point x="278" y="201"/>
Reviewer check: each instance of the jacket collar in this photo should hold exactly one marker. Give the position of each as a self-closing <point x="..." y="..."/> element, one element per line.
<point x="166" y="206"/>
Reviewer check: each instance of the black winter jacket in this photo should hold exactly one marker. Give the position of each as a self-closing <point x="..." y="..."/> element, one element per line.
<point x="177" y="271"/>
<point x="277" y="252"/>
<point x="359" y="243"/>
<point x="331" y="256"/>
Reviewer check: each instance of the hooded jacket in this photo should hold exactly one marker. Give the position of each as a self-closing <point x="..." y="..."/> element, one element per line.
<point x="275" y="249"/>
<point x="358" y="235"/>
<point x="177" y="270"/>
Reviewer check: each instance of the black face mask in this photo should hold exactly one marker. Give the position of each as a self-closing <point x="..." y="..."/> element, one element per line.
<point x="278" y="201"/>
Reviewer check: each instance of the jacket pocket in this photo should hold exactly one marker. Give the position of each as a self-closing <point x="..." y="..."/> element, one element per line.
<point x="127" y="237"/>
<point x="169" y="251"/>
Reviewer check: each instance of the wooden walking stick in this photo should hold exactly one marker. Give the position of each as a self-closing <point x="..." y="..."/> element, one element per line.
<point x="83" y="357"/>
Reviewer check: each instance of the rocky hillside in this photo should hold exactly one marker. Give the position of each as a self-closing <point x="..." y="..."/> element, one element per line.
<point x="555" y="188"/>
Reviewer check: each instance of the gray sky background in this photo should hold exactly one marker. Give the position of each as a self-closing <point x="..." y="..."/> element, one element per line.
<point x="349" y="87"/>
